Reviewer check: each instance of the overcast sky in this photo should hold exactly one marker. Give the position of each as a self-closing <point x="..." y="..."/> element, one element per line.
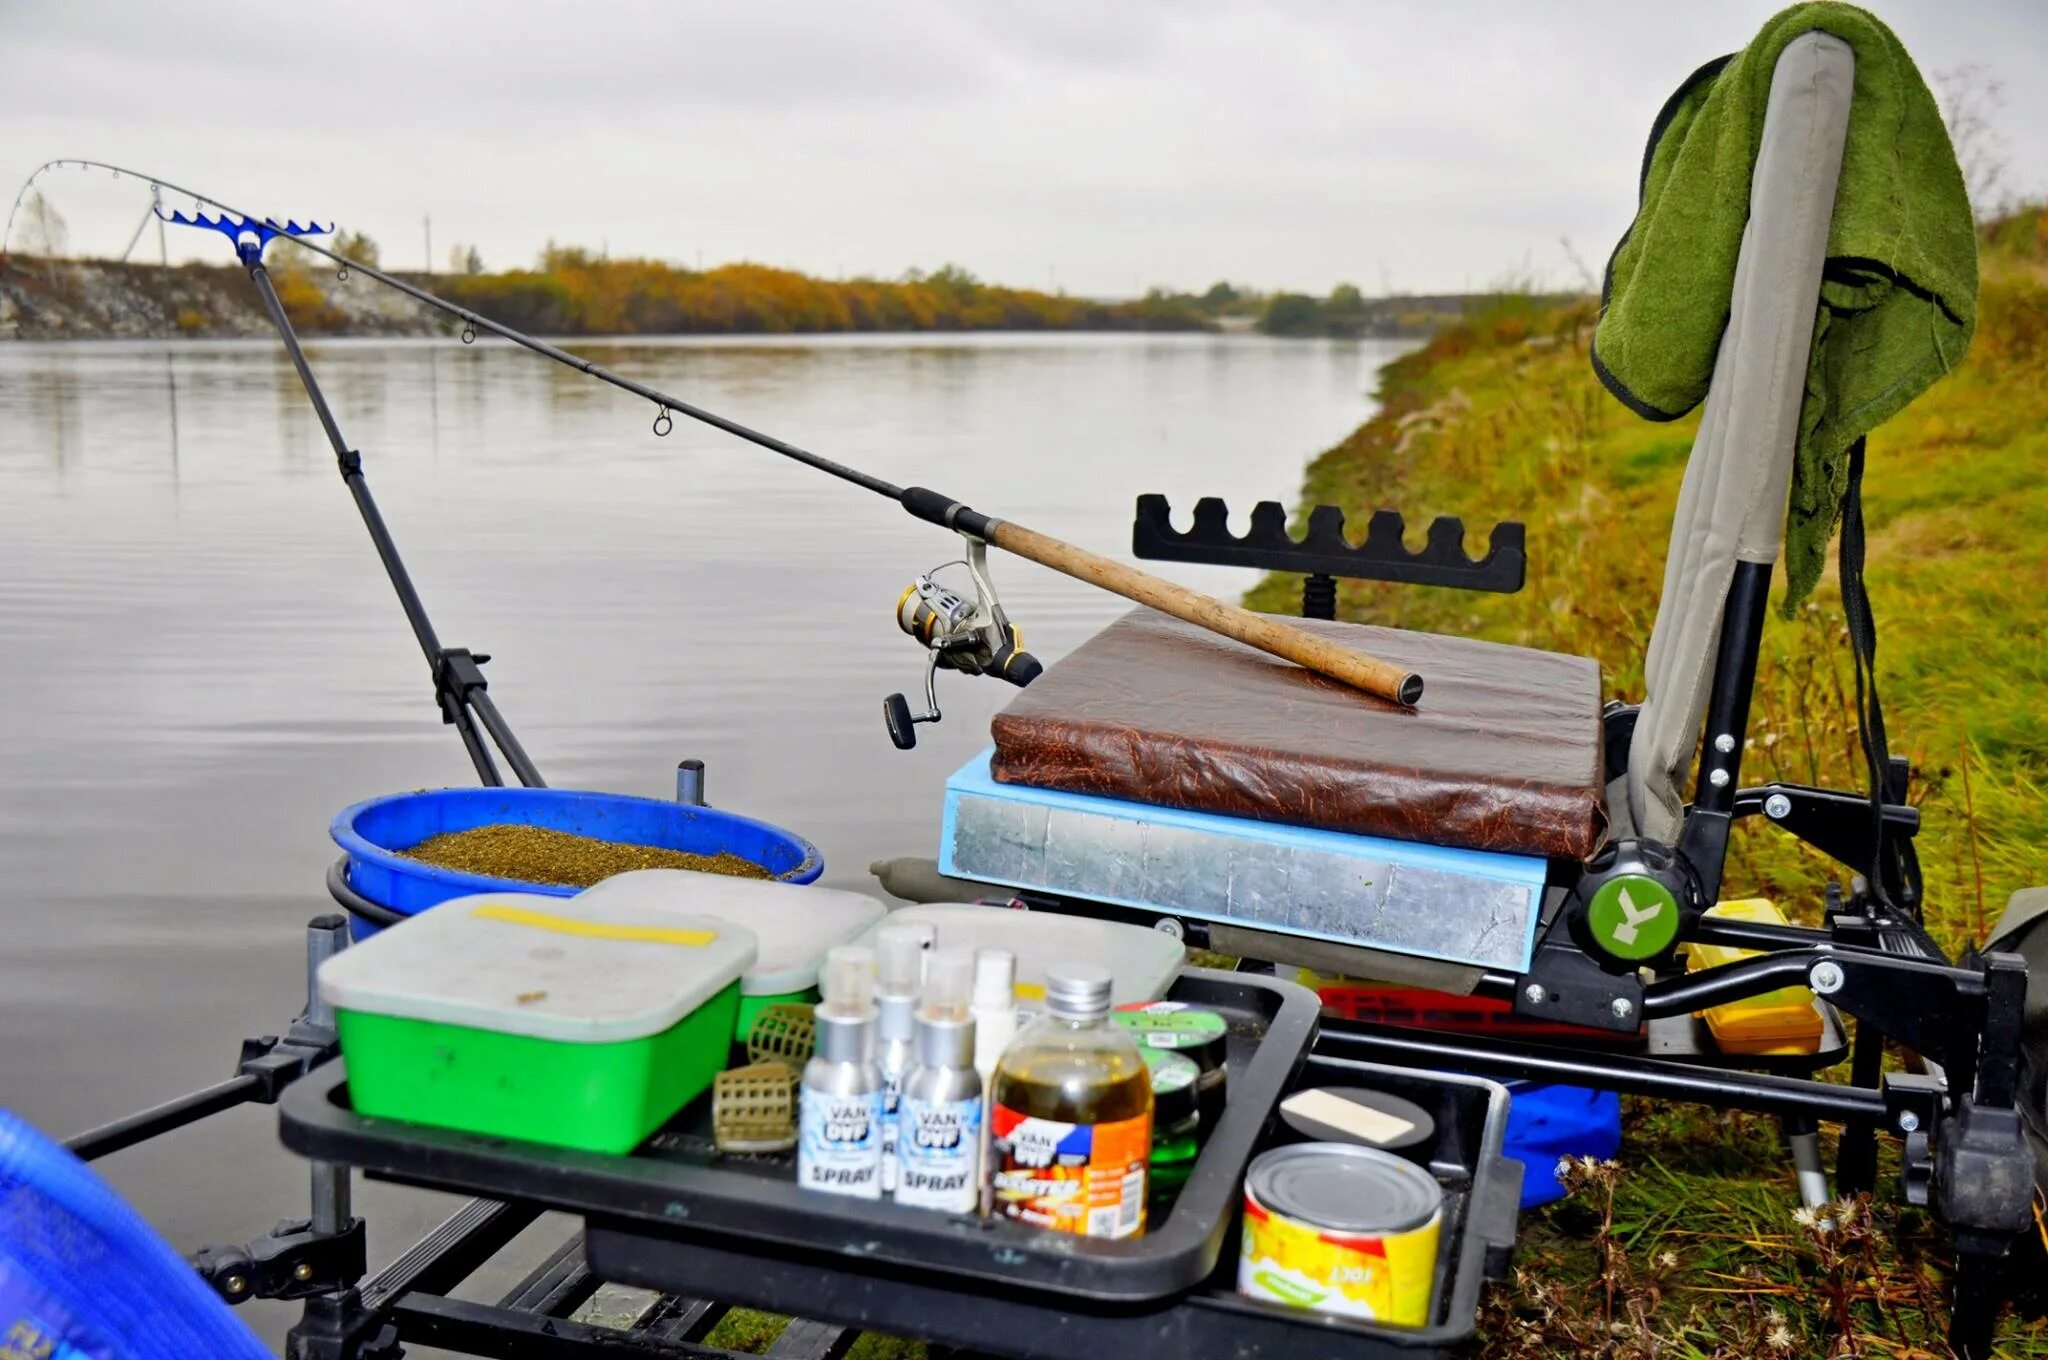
<point x="1102" y="146"/>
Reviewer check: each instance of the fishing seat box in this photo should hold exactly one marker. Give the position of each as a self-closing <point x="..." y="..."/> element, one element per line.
<point x="1162" y="768"/>
<point x="1502" y="754"/>
<point x="564" y="1022"/>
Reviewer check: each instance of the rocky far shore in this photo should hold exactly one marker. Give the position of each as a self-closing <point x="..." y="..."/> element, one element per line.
<point x="101" y="300"/>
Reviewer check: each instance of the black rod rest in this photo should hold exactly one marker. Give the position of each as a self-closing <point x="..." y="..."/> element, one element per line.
<point x="1324" y="551"/>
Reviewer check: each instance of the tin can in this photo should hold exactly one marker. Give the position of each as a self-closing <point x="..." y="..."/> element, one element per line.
<point x="1342" y="1229"/>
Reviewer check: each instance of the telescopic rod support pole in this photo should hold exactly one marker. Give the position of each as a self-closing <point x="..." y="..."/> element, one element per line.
<point x="459" y="685"/>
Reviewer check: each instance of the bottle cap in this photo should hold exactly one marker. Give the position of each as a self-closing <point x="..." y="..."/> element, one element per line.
<point x="948" y="982"/>
<point x="1077" y="991"/>
<point x="995" y="980"/>
<point x="900" y="956"/>
<point x="848" y="982"/>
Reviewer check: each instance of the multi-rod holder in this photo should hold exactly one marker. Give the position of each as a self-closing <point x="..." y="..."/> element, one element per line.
<point x="1324" y="550"/>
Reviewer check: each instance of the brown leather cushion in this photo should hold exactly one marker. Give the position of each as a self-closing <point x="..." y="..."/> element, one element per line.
<point x="1503" y="753"/>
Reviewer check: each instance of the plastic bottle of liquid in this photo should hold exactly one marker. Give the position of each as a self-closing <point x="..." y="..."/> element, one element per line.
<point x="1071" y="1115"/>
<point x="900" y="951"/>
<point x="938" y="1141"/>
<point x="995" y="1025"/>
<point x="839" y="1122"/>
<point x="995" y="1009"/>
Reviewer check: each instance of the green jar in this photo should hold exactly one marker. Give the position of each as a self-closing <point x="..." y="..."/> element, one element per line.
<point x="1176" y="1126"/>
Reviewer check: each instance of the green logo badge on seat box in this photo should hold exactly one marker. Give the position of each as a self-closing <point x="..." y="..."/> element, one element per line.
<point x="1633" y="917"/>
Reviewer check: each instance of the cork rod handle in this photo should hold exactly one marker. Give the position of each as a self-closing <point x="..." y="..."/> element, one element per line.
<point x="1369" y="673"/>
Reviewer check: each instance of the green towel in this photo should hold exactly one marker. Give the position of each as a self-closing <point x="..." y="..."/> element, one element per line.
<point x="1899" y="292"/>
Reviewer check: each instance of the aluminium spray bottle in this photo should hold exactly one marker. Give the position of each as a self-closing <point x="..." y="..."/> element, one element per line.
<point x="839" y="1125"/>
<point x="900" y="958"/>
<point x="938" y="1138"/>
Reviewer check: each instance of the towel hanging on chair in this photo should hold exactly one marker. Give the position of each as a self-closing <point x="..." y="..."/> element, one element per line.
<point x="1898" y="292"/>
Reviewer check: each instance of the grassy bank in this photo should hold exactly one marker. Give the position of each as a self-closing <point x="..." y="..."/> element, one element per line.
<point x="1502" y="418"/>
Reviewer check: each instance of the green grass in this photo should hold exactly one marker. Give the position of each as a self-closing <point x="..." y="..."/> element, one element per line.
<point x="1502" y="419"/>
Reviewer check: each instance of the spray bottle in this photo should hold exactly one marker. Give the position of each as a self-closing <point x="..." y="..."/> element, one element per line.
<point x="938" y="1147"/>
<point x="995" y="1009"/>
<point x="839" y="1139"/>
<point x="901" y="956"/>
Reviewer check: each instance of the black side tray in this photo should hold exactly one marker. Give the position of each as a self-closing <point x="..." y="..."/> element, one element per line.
<point x="678" y="1179"/>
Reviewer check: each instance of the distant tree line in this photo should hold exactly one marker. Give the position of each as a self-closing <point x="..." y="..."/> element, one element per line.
<point x="1348" y="314"/>
<point x="573" y="292"/>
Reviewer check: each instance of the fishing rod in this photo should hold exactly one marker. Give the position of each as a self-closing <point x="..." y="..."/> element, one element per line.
<point x="971" y="637"/>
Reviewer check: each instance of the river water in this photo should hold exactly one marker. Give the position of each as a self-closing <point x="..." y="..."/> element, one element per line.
<point x="200" y="661"/>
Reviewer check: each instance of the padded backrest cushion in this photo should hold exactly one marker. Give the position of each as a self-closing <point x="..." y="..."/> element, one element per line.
<point x="1731" y="506"/>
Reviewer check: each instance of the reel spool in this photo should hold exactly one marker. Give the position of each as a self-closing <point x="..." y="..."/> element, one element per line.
<point x="974" y="637"/>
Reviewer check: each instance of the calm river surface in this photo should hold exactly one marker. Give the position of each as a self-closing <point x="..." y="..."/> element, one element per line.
<point x="200" y="661"/>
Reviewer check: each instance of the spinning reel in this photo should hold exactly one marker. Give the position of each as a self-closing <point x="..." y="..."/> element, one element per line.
<point x="973" y="637"/>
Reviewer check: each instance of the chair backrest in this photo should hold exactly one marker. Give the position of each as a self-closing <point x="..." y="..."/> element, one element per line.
<point x="1731" y="507"/>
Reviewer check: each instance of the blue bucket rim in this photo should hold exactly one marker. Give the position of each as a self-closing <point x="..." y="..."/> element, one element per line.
<point x="359" y="847"/>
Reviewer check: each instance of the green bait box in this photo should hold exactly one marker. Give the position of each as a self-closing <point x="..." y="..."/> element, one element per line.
<point x="556" y="1021"/>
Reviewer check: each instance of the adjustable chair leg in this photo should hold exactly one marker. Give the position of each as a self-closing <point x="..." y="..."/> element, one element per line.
<point x="1977" y="1294"/>
<point x="1803" y="1136"/>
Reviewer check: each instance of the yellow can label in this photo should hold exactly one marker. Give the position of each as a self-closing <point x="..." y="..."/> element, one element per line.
<point x="1386" y="1277"/>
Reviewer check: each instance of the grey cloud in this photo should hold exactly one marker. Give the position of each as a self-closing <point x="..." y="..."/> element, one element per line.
<point x="1104" y="145"/>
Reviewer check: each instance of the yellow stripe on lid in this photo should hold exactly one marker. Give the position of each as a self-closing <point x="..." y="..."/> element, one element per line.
<point x="592" y="930"/>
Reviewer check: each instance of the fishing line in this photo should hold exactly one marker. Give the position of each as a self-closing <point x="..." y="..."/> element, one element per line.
<point x="981" y="639"/>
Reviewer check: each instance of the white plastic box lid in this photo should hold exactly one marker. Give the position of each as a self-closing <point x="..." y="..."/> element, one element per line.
<point x="546" y="967"/>
<point x="1142" y="962"/>
<point x="795" y="923"/>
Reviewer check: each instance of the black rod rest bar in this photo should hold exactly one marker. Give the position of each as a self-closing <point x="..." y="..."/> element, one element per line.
<point x="459" y="685"/>
<point x="172" y="1114"/>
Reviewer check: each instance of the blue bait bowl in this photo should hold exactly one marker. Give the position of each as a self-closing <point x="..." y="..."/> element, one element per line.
<point x="372" y="833"/>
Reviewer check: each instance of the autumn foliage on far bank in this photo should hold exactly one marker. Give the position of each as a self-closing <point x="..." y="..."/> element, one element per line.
<point x="575" y="293"/>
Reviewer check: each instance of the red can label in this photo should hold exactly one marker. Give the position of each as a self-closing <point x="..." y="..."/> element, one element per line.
<point x="1085" y="1179"/>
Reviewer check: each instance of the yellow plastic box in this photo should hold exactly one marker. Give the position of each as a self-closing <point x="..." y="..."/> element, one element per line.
<point x="1782" y="1022"/>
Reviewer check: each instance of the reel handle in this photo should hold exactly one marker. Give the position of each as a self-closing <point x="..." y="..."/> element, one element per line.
<point x="901" y="722"/>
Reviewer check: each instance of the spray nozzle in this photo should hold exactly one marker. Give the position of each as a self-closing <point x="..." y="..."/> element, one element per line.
<point x="848" y="982"/>
<point x="948" y="982"/>
<point x="899" y="951"/>
<point x="995" y="979"/>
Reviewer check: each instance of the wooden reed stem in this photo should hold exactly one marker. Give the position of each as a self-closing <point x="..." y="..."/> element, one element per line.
<point x="1269" y="635"/>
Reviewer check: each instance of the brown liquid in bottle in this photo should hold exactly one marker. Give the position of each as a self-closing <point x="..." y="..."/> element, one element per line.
<point x="1086" y="1087"/>
<point x="1071" y="1124"/>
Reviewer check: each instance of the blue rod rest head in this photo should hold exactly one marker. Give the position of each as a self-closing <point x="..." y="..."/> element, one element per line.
<point x="249" y="234"/>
